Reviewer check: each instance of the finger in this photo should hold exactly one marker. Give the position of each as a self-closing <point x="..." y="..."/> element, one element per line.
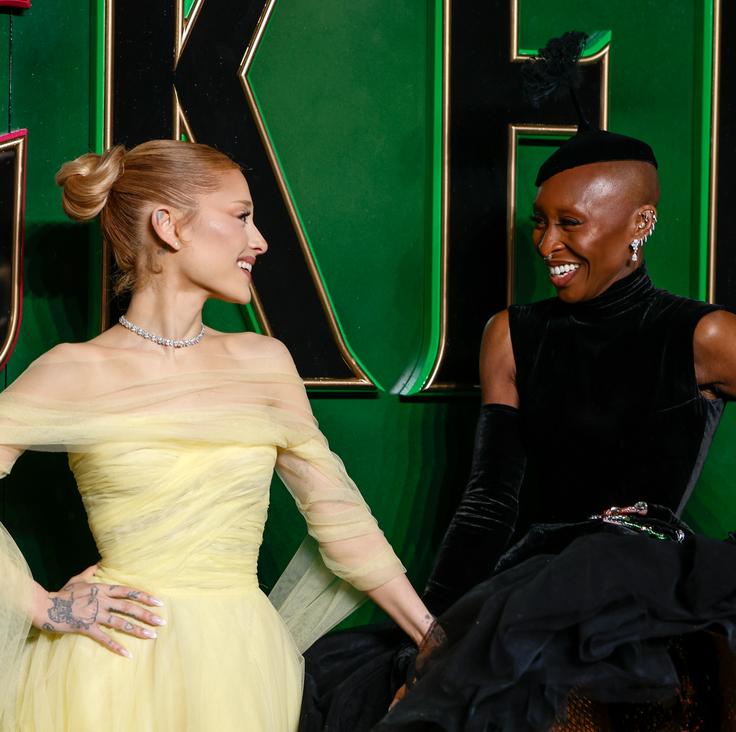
<point x="124" y="607"/>
<point x="104" y="640"/>
<point x="125" y="626"/>
<point x="121" y="591"/>
<point x="400" y="694"/>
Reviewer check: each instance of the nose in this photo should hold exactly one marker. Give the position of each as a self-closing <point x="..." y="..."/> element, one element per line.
<point x="549" y="243"/>
<point x="256" y="241"/>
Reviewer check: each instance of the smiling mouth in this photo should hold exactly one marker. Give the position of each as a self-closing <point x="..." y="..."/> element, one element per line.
<point x="245" y="266"/>
<point x="562" y="274"/>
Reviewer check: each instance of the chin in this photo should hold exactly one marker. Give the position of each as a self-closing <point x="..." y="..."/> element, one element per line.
<point x="566" y="296"/>
<point x="237" y="297"/>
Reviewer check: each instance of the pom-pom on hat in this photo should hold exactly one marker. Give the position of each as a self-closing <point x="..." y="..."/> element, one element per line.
<point x="555" y="71"/>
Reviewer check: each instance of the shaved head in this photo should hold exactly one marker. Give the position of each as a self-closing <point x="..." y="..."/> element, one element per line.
<point x="640" y="180"/>
<point x="628" y="183"/>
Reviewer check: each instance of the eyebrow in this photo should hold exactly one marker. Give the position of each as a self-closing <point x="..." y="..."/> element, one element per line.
<point x="244" y="202"/>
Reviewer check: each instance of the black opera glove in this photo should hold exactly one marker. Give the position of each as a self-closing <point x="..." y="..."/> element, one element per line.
<point x="482" y="525"/>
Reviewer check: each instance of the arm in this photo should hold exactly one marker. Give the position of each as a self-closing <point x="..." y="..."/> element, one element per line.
<point x="497" y="365"/>
<point x="714" y="350"/>
<point x="486" y="515"/>
<point x="401" y="602"/>
<point x="351" y="544"/>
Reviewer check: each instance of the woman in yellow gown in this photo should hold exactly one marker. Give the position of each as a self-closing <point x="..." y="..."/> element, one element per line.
<point x="173" y="440"/>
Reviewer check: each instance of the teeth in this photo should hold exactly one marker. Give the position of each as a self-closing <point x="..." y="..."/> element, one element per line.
<point x="246" y="266"/>
<point x="563" y="269"/>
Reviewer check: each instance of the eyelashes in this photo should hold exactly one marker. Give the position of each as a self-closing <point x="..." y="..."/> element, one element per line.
<point x="539" y="221"/>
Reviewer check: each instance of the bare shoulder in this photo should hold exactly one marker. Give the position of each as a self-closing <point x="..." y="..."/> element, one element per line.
<point x="714" y="351"/>
<point x="72" y="355"/>
<point x="255" y="345"/>
<point x="60" y="371"/>
<point x="714" y="327"/>
<point x="284" y="393"/>
<point x="497" y="365"/>
<point x="64" y="352"/>
<point x="497" y="333"/>
<point x="495" y="347"/>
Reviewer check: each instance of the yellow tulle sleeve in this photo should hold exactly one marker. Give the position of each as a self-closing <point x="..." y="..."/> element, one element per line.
<point x="345" y="552"/>
<point x="352" y="545"/>
<point x="342" y="531"/>
<point x="15" y="622"/>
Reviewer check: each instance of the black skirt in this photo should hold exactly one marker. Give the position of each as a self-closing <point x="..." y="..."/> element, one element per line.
<point x="597" y="618"/>
<point x="585" y="608"/>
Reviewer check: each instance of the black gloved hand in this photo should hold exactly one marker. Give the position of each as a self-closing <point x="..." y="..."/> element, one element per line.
<point x="485" y="518"/>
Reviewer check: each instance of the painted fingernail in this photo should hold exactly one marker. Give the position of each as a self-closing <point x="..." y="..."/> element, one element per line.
<point x="156" y="602"/>
<point x="126" y="653"/>
<point x="158" y="621"/>
<point x="149" y="633"/>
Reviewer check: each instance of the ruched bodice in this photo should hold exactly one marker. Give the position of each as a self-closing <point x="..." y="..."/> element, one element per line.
<point x="174" y="470"/>
<point x="139" y="499"/>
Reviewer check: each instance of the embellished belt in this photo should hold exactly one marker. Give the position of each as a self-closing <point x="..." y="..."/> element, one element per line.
<point x="642" y="518"/>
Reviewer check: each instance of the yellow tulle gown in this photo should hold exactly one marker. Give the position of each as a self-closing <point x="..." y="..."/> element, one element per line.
<point x="174" y="465"/>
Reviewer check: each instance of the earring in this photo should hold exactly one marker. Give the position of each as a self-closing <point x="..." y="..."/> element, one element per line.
<point x="635" y="247"/>
<point x="651" y="230"/>
<point x="641" y="242"/>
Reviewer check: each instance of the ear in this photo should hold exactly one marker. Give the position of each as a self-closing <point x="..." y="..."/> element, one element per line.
<point x="164" y="226"/>
<point x="645" y="220"/>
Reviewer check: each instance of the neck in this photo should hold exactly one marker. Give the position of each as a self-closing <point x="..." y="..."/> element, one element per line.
<point x="618" y="298"/>
<point x="168" y="312"/>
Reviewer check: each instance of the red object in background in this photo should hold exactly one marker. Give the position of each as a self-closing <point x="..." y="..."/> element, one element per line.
<point x="15" y="3"/>
<point x="8" y="340"/>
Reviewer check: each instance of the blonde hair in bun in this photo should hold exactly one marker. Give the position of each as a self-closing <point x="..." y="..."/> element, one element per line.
<point x="87" y="182"/>
<point x="123" y="187"/>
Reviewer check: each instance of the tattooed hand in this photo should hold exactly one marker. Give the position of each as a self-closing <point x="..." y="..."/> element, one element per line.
<point x="84" y="607"/>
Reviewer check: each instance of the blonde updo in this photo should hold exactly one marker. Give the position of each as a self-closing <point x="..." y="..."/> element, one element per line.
<point x="123" y="188"/>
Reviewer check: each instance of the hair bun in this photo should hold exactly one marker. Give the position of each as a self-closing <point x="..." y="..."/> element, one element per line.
<point x="87" y="182"/>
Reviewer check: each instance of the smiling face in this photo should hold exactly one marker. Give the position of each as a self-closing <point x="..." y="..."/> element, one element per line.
<point x="586" y="217"/>
<point x="220" y="246"/>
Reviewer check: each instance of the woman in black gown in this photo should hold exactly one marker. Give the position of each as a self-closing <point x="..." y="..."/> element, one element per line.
<point x="608" y="394"/>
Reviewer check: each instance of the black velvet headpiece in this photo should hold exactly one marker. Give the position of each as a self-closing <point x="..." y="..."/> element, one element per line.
<point x="555" y="70"/>
<point x="594" y="146"/>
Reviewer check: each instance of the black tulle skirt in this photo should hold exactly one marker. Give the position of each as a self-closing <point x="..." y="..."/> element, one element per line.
<point x="582" y="611"/>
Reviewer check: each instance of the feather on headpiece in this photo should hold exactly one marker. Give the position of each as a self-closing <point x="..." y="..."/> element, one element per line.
<point x="554" y="71"/>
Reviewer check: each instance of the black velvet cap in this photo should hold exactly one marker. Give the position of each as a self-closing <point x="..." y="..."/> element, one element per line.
<point x="594" y="146"/>
<point x="554" y="71"/>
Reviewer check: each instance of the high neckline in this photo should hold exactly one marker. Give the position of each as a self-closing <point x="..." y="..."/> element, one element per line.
<point x="619" y="298"/>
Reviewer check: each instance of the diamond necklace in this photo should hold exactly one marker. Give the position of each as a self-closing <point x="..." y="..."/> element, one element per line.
<point x="172" y="342"/>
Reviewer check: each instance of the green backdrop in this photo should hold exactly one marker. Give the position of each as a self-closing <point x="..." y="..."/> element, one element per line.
<point x="349" y="95"/>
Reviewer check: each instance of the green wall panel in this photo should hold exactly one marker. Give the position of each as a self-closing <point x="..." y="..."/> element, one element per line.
<point x="346" y="91"/>
<point x="52" y="99"/>
<point x="50" y="82"/>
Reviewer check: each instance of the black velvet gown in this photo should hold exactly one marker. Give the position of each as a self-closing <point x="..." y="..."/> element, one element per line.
<point x="610" y="414"/>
